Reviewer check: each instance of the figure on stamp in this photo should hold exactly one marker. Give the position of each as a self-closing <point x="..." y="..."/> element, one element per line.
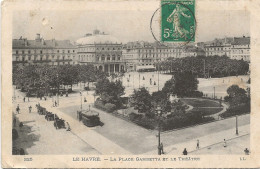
<point x="175" y="17"/>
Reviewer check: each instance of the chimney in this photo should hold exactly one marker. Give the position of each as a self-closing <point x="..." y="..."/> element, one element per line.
<point x="42" y="40"/>
<point x="38" y="36"/>
<point x="25" y="42"/>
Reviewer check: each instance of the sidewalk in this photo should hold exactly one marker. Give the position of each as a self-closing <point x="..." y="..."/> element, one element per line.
<point x="97" y="141"/>
<point x="205" y="141"/>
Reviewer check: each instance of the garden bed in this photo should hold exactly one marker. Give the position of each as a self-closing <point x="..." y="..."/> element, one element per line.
<point x="205" y="110"/>
<point x="197" y="102"/>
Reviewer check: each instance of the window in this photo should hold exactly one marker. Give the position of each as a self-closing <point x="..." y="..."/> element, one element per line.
<point x="68" y="51"/>
<point x="118" y="58"/>
<point x="22" y="52"/>
<point x="108" y="58"/>
<point x="63" y="57"/>
<point x="58" y="51"/>
<point x="73" y="52"/>
<point x="41" y="52"/>
<point x="63" y="51"/>
<point x="29" y="51"/>
<point x="17" y="52"/>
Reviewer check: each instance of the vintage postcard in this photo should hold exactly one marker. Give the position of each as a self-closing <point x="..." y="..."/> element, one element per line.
<point x="130" y="84"/>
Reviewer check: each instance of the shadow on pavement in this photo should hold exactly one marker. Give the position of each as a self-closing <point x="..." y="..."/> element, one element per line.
<point x="23" y="138"/>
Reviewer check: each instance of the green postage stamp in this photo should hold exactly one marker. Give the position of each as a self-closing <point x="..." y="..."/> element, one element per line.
<point x="178" y="23"/>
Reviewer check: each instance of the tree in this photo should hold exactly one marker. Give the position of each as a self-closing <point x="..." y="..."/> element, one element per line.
<point x="182" y="84"/>
<point x="142" y="100"/>
<point x="169" y="86"/>
<point x="110" y="92"/>
<point x="236" y="95"/>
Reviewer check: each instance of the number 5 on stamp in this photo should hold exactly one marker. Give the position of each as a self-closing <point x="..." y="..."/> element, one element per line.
<point x="178" y="21"/>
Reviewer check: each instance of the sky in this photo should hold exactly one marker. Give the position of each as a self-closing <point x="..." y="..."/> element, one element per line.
<point x="131" y="25"/>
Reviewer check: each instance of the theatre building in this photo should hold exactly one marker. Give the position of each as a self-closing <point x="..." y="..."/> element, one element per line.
<point x="102" y="50"/>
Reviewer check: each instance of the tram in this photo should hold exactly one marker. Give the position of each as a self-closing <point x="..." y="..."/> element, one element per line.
<point x="89" y="118"/>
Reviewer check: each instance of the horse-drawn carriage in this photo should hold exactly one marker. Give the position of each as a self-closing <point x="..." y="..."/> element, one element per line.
<point x="59" y="123"/>
<point x="50" y="116"/>
<point x="41" y="110"/>
<point x="89" y="118"/>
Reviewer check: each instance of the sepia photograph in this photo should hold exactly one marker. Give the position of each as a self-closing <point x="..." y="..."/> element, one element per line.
<point x="171" y="79"/>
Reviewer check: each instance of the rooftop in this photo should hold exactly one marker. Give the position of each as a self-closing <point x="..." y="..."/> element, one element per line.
<point x="41" y="43"/>
<point x="97" y="38"/>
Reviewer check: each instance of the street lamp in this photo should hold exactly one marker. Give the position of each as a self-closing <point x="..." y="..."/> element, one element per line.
<point x="159" y="113"/>
<point x="58" y="89"/>
<point x="80" y="101"/>
<point x="236" y="126"/>
<point x="214" y="92"/>
<point x="172" y="101"/>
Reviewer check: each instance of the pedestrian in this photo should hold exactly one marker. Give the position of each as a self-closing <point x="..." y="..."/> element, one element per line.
<point x="185" y="152"/>
<point x="68" y="129"/>
<point x="24" y="99"/>
<point x="55" y="103"/>
<point x="21" y="124"/>
<point x="161" y="146"/>
<point x="198" y="144"/>
<point x="28" y="99"/>
<point x="17" y="109"/>
<point x="14" y="122"/>
<point x="85" y="100"/>
<point x="45" y="98"/>
<point x="30" y="109"/>
<point x="225" y="143"/>
<point x="246" y="151"/>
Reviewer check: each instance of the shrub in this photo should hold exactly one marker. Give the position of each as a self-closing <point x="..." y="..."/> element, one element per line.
<point x="109" y="107"/>
<point x="236" y="110"/>
<point x="133" y="116"/>
<point x="146" y="123"/>
<point x="194" y="94"/>
<point x="99" y="104"/>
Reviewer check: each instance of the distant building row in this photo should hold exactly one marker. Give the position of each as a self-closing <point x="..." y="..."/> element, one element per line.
<point x="106" y="53"/>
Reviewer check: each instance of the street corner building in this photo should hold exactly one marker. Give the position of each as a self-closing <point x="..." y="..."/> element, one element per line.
<point x="102" y="50"/>
<point x="43" y="52"/>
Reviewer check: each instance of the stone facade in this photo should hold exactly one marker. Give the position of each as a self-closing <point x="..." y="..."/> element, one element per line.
<point x="102" y="50"/>
<point x="40" y="51"/>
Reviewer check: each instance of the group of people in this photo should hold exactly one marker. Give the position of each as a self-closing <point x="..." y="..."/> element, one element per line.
<point x="18" y="109"/>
